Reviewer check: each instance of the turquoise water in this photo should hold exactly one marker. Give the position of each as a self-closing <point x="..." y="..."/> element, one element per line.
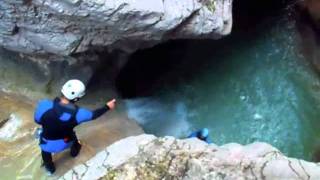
<point x="253" y="86"/>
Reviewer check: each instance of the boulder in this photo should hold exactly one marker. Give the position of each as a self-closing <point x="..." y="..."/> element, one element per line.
<point x="149" y="157"/>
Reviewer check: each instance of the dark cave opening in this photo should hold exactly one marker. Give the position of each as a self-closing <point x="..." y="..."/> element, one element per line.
<point x="145" y="67"/>
<point x="248" y="13"/>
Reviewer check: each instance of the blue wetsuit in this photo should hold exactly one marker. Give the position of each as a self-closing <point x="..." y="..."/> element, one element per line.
<point x="58" y="122"/>
<point x="197" y="134"/>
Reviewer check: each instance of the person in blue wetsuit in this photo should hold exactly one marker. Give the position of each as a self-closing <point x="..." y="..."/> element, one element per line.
<point x="202" y="134"/>
<point x="58" y="118"/>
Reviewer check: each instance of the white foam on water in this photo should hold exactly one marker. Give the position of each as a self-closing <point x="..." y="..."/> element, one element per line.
<point x="140" y="109"/>
<point x="257" y="116"/>
<point x="9" y="130"/>
<point x="167" y="119"/>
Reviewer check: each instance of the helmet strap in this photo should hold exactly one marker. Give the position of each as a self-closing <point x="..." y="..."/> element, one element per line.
<point x="75" y="100"/>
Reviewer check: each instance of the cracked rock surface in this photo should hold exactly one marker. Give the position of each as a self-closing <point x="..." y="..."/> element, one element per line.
<point x="148" y="157"/>
<point x="66" y="27"/>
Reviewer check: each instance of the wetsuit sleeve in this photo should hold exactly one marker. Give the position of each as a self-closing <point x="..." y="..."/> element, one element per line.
<point x="208" y="140"/>
<point x="42" y="107"/>
<point x="100" y="111"/>
<point x="192" y="135"/>
<point x="85" y="115"/>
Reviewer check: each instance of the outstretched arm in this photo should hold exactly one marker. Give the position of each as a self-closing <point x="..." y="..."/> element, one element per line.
<point x="99" y="112"/>
<point x="85" y="115"/>
<point x="192" y="135"/>
<point x="209" y="141"/>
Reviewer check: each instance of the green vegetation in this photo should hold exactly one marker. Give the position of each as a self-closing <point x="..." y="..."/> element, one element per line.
<point x="211" y="5"/>
<point x="111" y="175"/>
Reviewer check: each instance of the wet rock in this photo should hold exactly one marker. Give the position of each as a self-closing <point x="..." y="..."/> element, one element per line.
<point x="43" y="75"/>
<point x="9" y="128"/>
<point x="67" y="27"/>
<point x="3" y="122"/>
<point x="308" y="23"/>
<point x="52" y="41"/>
<point x="313" y="8"/>
<point x="167" y="158"/>
<point x="316" y="154"/>
<point x="17" y="142"/>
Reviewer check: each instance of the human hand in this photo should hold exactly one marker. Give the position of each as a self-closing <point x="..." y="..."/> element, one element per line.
<point x="111" y="104"/>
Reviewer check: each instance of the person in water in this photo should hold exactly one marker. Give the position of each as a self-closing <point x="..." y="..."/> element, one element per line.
<point x="202" y="134"/>
<point x="58" y="117"/>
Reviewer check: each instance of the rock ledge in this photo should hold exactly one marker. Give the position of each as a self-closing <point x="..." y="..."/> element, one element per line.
<point x="148" y="157"/>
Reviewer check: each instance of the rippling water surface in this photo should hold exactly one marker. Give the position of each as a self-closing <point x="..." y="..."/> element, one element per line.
<point x="253" y="86"/>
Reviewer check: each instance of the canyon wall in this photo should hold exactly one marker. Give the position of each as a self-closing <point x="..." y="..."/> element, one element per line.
<point x="59" y="40"/>
<point x="67" y="27"/>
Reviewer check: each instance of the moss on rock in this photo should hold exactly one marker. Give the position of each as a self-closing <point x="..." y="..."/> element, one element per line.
<point x="211" y="5"/>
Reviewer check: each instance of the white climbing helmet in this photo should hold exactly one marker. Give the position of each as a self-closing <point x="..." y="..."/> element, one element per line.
<point x="73" y="89"/>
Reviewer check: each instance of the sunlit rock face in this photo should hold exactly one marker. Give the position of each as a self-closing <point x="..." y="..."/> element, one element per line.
<point x="167" y="158"/>
<point x="72" y="26"/>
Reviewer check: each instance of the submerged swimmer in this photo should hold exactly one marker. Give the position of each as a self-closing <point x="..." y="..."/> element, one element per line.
<point x="202" y="134"/>
<point x="58" y="117"/>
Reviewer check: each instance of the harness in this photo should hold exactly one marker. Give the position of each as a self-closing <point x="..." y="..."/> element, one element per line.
<point x="58" y="123"/>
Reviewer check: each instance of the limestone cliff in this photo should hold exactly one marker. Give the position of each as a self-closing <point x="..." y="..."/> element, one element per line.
<point x="66" y="27"/>
<point x="148" y="157"/>
<point x="58" y="40"/>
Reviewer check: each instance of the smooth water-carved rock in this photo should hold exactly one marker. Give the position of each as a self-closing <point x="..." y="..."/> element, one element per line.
<point x="20" y="156"/>
<point x="9" y="128"/>
<point x="148" y="157"/>
<point x="67" y="27"/>
<point x="38" y="76"/>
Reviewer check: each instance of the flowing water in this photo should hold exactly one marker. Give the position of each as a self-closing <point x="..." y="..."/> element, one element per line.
<point x="251" y="86"/>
